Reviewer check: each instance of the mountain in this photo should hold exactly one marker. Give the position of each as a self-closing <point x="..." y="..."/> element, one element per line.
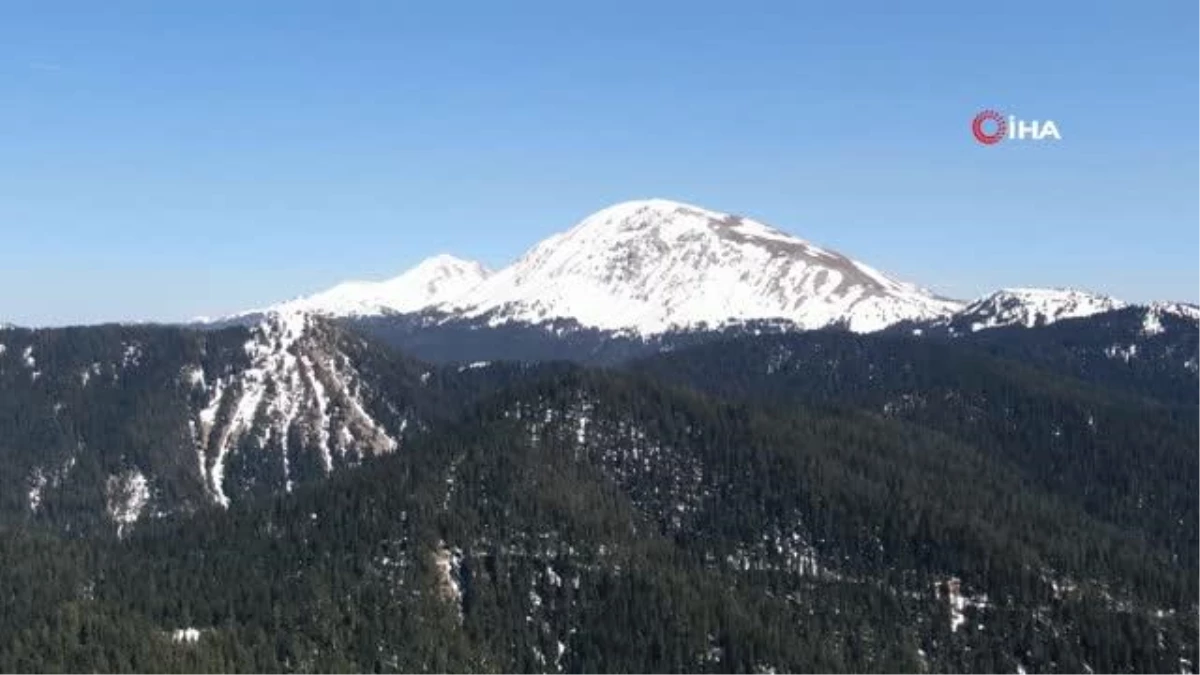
<point x="1117" y="455"/>
<point x="1156" y="312"/>
<point x="582" y="520"/>
<point x="1028" y="307"/>
<point x="106" y="425"/>
<point x="1149" y="350"/>
<point x="656" y="275"/>
<point x="299" y="390"/>
<point x="643" y="269"/>
<point x="434" y="281"/>
<point x="655" y="265"/>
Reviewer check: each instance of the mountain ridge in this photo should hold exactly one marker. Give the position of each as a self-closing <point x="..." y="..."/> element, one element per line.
<point x="649" y="266"/>
<point x="173" y="419"/>
<point x="554" y="524"/>
<point x="653" y="266"/>
<point x="1029" y="307"/>
<point x="433" y="281"/>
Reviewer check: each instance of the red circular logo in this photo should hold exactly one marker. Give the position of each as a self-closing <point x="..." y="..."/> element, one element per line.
<point x="984" y="136"/>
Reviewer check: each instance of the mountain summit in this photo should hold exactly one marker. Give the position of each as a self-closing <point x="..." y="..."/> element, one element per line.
<point x="653" y="265"/>
<point x="1030" y="307"/>
<point x="433" y="281"/>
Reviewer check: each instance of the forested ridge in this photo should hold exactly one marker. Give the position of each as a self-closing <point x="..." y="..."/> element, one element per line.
<point x="813" y="502"/>
<point x="1143" y="350"/>
<point x="1123" y="456"/>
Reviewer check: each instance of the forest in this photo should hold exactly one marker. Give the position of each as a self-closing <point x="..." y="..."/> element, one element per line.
<point x="774" y="503"/>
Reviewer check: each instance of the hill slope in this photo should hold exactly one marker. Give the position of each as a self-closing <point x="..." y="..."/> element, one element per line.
<point x="583" y="521"/>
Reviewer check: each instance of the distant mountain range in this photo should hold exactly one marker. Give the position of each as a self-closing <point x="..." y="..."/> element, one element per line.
<point x="431" y="283"/>
<point x="655" y="266"/>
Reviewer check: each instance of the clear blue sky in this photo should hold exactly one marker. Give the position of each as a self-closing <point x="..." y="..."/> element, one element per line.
<point x="160" y="160"/>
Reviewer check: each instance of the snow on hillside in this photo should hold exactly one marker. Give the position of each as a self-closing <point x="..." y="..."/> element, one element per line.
<point x="297" y="384"/>
<point x="435" y="280"/>
<point x="126" y="496"/>
<point x="1031" y="307"/>
<point x="653" y="265"/>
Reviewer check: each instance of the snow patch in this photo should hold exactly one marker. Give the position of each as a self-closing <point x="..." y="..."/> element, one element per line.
<point x="131" y="354"/>
<point x="449" y="565"/>
<point x="37" y="484"/>
<point x="194" y="376"/>
<point x="1152" y="324"/>
<point x="951" y="589"/>
<point x="86" y="374"/>
<point x="126" y="497"/>
<point x="1122" y="352"/>
<point x="40" y="479"/>
<point x="185" y="635"/>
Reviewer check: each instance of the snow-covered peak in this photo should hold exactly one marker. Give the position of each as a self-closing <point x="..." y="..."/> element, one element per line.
<point x="435" y="280"/>
<point x="653" y="265"/>
<point x="1180" y="309"/>
<point x="1031" y="307"/>
<point x="1152" y="321"/>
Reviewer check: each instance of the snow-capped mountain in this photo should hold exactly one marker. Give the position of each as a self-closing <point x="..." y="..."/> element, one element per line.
<point x="1156" y="312"/>
<point x="435" y="280"/>
<point x="651" y="267"/>
<point x="655" y="265"/>
<point x="1028" y="307"/>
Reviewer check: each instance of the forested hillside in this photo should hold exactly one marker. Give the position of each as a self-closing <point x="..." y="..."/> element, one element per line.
<point x="1151" y="350"/>
<point x="1126" y="459"/>
<point x="571" y="520"/>
<point x="103" y="428"/>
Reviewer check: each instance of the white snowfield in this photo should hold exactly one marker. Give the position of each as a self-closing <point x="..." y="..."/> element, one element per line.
<point x="433" y="281"/>
<point x="654" y="265"/>
<point x="1035" y="307"/>
<point x="649" y="266"/>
